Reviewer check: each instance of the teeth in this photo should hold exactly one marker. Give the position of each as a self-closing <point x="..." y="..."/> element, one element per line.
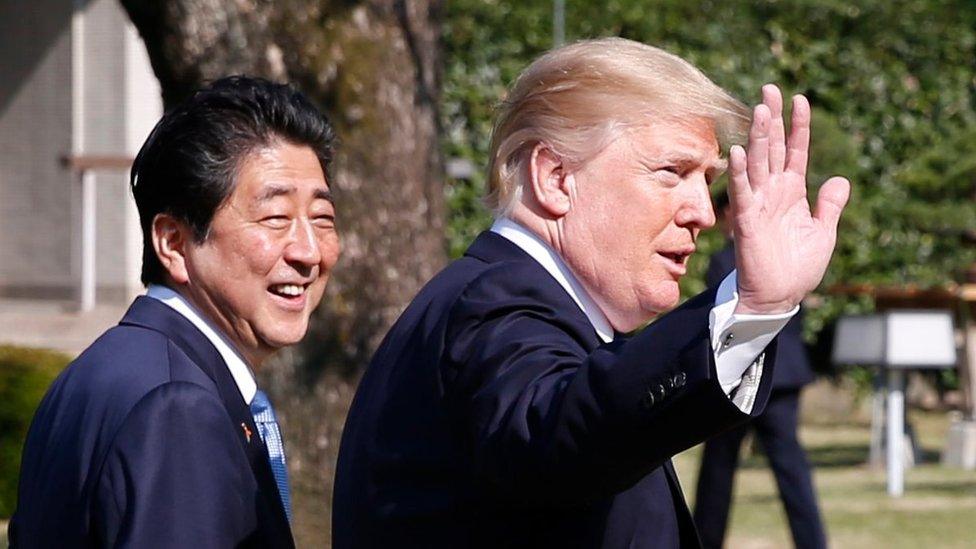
<point x="293" y="290"/>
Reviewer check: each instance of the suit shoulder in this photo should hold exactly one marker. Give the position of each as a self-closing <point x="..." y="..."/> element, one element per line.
<point x="472" y="273"/>
<point x="522" y="300"/>
<point x="462" y="275"/>
<point x="514" y="286"/>
<point x="126" y="362"/>
<point x="99" y="389"/>
<point x="126" y="382"/>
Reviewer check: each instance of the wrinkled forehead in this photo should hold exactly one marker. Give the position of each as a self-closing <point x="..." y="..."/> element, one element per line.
<point x="685" y="139"/>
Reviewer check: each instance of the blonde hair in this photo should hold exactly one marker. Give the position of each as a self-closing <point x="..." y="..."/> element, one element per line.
<point x="578" y="98"/>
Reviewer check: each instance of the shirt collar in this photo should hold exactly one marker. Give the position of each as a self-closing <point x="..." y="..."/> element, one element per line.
<point x="238" y="368"/>
<point x="555" y="266"/>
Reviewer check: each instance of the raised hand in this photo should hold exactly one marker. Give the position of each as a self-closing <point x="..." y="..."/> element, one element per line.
<point x="781" y="249"/>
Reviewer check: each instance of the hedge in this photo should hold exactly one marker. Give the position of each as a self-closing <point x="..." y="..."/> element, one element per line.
<point x="25" y="375"/>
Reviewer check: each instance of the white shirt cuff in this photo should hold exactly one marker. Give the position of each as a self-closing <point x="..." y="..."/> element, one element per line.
<point x="738" y="339"/>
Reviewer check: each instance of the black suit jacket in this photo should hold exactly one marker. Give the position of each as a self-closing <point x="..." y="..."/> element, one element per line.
<point x="793" y="369"/>
<point x="492" y="416"/>
<point x="145" y="441"/>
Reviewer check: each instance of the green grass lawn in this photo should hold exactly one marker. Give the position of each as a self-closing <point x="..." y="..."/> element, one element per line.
<point x="938" y="509"/>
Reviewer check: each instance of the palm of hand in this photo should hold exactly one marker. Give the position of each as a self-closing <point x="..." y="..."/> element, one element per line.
<point x="782" y="248"/>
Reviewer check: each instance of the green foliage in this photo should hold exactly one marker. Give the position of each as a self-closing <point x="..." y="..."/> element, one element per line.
<point x="25" y="375"/>
<point x="891" y="82"/>
<point x="487" y="44"/>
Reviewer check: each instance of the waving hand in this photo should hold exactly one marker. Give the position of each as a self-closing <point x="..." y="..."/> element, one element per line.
<point x="782" y="248"/>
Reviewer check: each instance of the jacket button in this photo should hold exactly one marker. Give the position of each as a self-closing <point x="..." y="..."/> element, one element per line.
<point x="679" y="379"/>
<point x="647" y="401"/>
<point x="661" y="391"/>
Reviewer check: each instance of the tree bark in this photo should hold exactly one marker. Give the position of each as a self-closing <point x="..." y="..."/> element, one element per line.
<point x="374" y="67"/>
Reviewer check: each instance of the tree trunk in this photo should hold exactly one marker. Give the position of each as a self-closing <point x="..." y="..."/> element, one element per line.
<point x="374" y="67"/>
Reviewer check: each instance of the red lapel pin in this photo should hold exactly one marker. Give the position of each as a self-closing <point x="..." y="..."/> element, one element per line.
<point x="247" y="432"/>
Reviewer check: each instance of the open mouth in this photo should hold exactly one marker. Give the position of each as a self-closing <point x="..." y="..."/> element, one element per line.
<point x="677" y="257"/>
<point x="288" y="291"/>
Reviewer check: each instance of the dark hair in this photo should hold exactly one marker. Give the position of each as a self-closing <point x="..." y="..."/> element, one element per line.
<point x="188" y="164"/>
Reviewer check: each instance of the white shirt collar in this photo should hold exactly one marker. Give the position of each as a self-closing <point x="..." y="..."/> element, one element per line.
<point x="555" y="266"/>
<point x="238" y="368"/>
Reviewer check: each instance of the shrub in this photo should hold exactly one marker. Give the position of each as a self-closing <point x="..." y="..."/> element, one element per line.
<point x="25" y="375"/>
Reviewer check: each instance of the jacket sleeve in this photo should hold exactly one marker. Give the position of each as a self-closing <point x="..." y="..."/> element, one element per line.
<point x="175" y="476"/>
<point x="548" y="420"/>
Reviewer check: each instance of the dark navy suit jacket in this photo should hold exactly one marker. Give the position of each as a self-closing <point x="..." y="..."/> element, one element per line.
<point x="793" y="369"/>
<point x="492" y="416"/>
<point x="146" y="441"/>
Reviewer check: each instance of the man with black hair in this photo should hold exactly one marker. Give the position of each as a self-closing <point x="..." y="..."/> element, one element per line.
<point x="157" y="436"/>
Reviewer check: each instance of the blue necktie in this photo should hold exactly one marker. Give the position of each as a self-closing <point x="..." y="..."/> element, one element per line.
<point x="264" y="418"/>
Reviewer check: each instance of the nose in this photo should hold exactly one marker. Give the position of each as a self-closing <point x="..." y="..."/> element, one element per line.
<point x="303" y="247"/>
<point x="696" y="210"/>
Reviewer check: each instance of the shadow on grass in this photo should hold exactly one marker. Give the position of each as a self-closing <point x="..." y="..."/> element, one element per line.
<point x="822" y="456"/>
<point x="757" y="499"/>
<point x="838" y="455"/>
<point x="948" y="487"/>
<point x="827" y="456"/>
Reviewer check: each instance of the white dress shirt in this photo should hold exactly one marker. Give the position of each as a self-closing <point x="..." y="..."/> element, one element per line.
<point x="238" y="368"/>
<point x="737" y="340"/>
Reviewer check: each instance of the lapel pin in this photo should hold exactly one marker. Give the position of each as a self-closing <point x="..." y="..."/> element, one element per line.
<point x="247" y="432"/>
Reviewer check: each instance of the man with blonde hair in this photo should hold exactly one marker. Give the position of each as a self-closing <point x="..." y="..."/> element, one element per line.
<point x="506" y="408"/>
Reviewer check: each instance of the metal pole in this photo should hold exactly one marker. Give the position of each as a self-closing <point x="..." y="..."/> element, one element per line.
<point x="967" y="363"/>
<point x="876" y="457"/>
<point x="87" y="290"/>
<point x="896" y="432"/>
<point x="558" y="22"/>
<point x="86" y="282"/>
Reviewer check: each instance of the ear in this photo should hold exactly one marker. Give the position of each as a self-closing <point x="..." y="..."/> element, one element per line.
<point x="550" y="181"/>
<point x="170" y="238"/>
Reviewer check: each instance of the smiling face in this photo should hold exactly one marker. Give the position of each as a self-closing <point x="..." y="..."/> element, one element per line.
<point x="263" y="266"/>
<point x="636" y="212"/>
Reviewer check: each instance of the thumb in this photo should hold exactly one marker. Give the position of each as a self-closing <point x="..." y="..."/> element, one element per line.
<point x="831" y="200"/>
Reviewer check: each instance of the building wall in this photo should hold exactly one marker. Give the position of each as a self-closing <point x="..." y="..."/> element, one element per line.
<point x="122" y="104"/>
<point x="102" y="102"/>
<point x="143" y="108"/>
<point x="35" y="131"/>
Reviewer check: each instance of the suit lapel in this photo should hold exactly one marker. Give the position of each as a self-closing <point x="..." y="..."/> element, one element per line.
<point x="155" y="315"/>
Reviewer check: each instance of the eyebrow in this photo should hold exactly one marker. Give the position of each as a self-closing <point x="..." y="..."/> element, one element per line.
<point x="274" y="191"/>
<point x="720" y="165"/>
<point x="324" y="194"/>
